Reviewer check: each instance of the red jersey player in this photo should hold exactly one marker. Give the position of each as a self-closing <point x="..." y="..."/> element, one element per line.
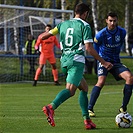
<point x="47" y="53"/>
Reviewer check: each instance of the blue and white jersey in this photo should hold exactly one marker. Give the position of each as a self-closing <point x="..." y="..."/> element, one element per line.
<point x="108" y="43"/>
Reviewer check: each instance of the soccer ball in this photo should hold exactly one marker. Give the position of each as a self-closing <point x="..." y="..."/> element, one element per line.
<point x="123" y="120"/>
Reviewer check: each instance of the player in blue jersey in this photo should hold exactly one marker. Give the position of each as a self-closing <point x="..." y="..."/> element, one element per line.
<point x="75" y="38"/>
<point x="108" y="43"/>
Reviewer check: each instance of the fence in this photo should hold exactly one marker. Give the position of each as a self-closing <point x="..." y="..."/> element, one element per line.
<point x="16" y="22"/>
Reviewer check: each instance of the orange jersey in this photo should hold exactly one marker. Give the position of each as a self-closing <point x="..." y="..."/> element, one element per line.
<point x="47" y="46"/>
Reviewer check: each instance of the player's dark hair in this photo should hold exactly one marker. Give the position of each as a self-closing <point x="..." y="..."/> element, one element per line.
<point x="81" y="8"/>
<point x="111" y="14"/>
<point x="48" y="25"/>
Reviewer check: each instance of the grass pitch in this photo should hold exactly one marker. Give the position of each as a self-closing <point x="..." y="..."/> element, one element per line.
<point x="21" y="110"/>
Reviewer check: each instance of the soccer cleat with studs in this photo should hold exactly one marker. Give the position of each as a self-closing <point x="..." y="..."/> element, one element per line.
<point x="56" y="83"/>
<point x="89" y="124"/>
<point x="49" y="112"/>
<point x="91" y="113"/>
<point x="35" y="83"/>
<point x="122" y="110"/>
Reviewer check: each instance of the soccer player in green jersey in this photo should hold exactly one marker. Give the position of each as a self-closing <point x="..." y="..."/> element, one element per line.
<point x="75" y="38"/>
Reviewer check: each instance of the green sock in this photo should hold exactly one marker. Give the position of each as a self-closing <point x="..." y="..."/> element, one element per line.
<point x="83" y="101"/>
<point x="60" y="98"/>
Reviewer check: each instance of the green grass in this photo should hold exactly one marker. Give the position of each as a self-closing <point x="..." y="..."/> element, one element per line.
<point x="21" y="104"/>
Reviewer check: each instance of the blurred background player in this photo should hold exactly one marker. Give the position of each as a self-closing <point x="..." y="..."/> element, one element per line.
<point x="30" y="50"/>
<point x="108" y="43"/>
<point x="47" y="54"/>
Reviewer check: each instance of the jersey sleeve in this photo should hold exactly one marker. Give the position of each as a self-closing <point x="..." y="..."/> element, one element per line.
<point x="38" y="42"/>
<point x="97" y="39"/>
<point x="97" y="42"/>
<point x="54" y="31"/>
<point x="124" y="35"/>
<point x="96" y="47"/>
<point x="87" y="34"/>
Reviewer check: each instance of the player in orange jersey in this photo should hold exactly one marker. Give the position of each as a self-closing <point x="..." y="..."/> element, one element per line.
<point x="47" y="53"/>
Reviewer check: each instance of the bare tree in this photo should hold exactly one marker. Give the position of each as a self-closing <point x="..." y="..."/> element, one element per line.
<point x="63" y="4"/>
<point x="94" y="15"/>
<point x="127" y="24"/>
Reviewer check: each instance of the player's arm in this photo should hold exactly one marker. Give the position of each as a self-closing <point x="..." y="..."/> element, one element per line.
<point x="88" y="41"/>
<point x="50" y="33"/>
<point x="89" y="47"/>
<point x="57" y="43"/>
<point x="38" y="42"/>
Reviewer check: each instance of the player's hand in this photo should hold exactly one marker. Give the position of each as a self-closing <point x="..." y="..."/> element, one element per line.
<point x="108" y="65"/>
<point x="36" y="47"/>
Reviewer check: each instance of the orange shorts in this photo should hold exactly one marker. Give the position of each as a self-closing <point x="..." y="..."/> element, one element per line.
<point x="43" y="58"/>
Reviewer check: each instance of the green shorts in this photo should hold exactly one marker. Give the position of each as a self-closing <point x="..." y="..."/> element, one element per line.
<point x="74" y="73"/>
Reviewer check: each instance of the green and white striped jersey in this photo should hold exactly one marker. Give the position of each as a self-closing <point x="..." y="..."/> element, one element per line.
<point x="74" y="34"/>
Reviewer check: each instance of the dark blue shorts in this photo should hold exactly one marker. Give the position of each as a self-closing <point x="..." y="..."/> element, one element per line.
<point x="115" y="71"/>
